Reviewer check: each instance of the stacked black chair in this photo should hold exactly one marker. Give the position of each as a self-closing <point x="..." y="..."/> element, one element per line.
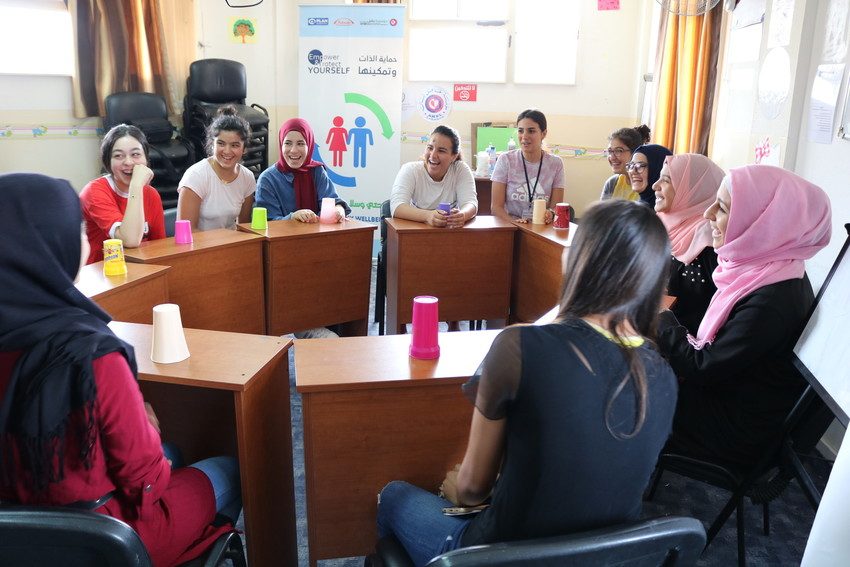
<point x="170" y="156"/>
<point x="36" y="535"/>
<point x="213" y="83"/>
<point x="647" y="543"/>
<point x="767" y="479"/>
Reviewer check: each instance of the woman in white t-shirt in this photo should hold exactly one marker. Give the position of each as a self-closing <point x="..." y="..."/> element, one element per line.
<point x="218" y="191"/>
<point x="526" y="174"/>
<point x="441" y="177"/>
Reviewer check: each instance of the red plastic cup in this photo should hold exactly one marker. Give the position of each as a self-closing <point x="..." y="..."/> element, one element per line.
<point x="562" y="215"/>
<point x="425" y="321"/>
<point x="182" y="232"/>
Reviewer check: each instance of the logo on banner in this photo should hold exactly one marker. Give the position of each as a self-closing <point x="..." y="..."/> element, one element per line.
<point x="343" y="22"/>
<point x="393" y="22"/>
<point x="317" y="21"/>
<point x="314" y="57"/>
<point x="325" y="64"/>
<point x="434" y="104"/>
<point x="466" y="93"/>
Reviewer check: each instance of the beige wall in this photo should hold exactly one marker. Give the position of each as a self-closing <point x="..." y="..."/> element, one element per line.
<point x="605" y="96"/>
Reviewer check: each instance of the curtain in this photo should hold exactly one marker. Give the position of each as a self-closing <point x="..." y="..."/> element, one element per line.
<point x="687" y="74"/>
<point x="180" y="48"/>
<point x="119" y="47"/>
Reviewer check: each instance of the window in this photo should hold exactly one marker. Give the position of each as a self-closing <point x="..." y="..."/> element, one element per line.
<point x="493" y="41"/>
<point x="42" y="30"/>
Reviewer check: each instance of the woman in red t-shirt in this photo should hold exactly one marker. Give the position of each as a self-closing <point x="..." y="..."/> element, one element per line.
<point x="122" y="204"/>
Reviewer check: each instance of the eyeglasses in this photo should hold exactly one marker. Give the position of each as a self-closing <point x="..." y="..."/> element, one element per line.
<point x="636" y="166"/>
<point x="616" y="152"/>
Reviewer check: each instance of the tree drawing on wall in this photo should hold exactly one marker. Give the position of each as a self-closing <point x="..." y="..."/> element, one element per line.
<point x="243" y="28"/>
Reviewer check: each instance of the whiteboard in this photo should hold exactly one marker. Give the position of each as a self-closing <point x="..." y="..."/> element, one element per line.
<point x="823" y="350"/>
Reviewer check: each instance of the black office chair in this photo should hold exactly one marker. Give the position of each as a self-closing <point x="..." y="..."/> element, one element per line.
<point x="381" y="271"/>
<point x="170" y="157"/>
<point x="37" y="535"/>
<point x="213" y="83"/>
<point x="170" y="217"/>
<point x="780" y="463"/>
<point x="646" y="543"/>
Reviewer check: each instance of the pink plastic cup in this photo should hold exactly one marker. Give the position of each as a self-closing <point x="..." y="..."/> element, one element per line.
<point x="182" y="232"/>
<point x="426" y="318"/>
<point x="327" y="214"/>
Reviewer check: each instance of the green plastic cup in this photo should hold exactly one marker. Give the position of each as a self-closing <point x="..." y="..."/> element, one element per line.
<point x="259" y="219"/>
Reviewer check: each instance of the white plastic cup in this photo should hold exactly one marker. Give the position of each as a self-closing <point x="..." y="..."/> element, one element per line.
<point x="168" y="343"/>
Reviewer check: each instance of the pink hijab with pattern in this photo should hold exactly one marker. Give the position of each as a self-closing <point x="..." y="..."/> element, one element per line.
<point x="777" y="220"/>
<point x="695" y="179"/>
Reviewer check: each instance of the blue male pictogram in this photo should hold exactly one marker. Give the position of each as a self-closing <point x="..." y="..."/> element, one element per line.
<point x="358" y="138"/>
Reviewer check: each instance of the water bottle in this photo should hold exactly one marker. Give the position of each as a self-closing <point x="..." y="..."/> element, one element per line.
<point x="491" y="151"/>
<point x="511" y="145"/>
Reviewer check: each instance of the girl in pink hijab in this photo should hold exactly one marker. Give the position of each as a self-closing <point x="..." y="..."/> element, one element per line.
<point x="737" y="380"/>
<point x="686" y="187"/>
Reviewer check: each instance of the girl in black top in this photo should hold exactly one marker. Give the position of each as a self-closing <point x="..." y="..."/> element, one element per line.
<point x="570" y="415"/>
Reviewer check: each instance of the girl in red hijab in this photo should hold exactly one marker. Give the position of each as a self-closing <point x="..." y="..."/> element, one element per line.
<point x="294" y="187"/>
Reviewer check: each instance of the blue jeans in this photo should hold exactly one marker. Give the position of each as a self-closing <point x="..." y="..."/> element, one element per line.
<point x="415" y="517"/>
<point x="223" y="473"/>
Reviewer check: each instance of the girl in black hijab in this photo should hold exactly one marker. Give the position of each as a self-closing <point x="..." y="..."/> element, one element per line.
<point x="73" y="427"/>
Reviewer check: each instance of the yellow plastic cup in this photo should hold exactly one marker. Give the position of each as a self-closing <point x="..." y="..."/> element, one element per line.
<point x="113" y="258"/>
<point x="259" y="218"/>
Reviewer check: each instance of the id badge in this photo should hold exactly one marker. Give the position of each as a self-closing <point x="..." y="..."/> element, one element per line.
<point x="527" y="211"/>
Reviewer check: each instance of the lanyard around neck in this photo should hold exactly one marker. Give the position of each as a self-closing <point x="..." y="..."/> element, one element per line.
<point x="531" y="191"/>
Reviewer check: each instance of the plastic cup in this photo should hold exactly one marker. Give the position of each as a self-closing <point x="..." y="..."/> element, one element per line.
<point x="538" y="211"/>
<point x="445" y="207"/>
<point x="168" y="343"/>
<point x="562" y="215"/>
<point x="113" y="257"/>
<point x="423" y="343"/>
<point x="259" y="218"/>
<point x="327" y="214"/>
<point x="182" y="232"/>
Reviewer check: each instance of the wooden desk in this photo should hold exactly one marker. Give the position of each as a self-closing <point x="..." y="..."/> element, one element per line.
<point x="217" y="281"/>
<point x="484" y="189"/>
<point x="317" y="275"/>
<point x="538" y="270"/>
<point x="231" y="397"/>
<point x="371" y="415"/>
<point x="130" y="297"/>
<point x="468" y="269"/>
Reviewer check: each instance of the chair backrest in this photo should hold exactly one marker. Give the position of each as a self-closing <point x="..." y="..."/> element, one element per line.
<point x="385" y="214"/>
<point x="71" y="538"/>
<point x="217" y="81"/>
<point x="663" y="541"/>
<point x="129" y="107"/>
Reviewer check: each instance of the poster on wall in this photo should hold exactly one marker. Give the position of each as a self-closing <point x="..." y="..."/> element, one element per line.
<point x="350" y="90"/>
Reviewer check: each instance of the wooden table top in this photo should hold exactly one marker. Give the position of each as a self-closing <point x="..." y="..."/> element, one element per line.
<point x="294" y="228"/>
<point x="482" y="222"/>
<point x="93" y="284"/>
<point x="352" y="363"/>
<point x="218" y="360"/>
<point x="155" y="250"/>
<point x="550" y="233"/>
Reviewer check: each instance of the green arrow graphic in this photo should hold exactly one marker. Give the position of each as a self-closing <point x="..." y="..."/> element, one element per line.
<point x="357" y="98"/>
